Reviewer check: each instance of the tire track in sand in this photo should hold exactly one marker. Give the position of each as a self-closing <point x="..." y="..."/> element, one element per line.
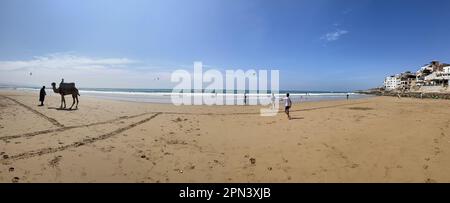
<point x="64" y="128"/>
<point x="51" y="120"/>
<point x="32" y="134"/>
<point x="51" y="150"/>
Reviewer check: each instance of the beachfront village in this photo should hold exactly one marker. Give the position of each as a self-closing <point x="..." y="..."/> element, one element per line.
<point x="432" y="77"/>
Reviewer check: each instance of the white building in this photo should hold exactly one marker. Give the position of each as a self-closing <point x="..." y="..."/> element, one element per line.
<point x="447" y="69"/>
<point x="392" y="82"/>
<point x="435" y="74"/>
<point x="439" y="78"/>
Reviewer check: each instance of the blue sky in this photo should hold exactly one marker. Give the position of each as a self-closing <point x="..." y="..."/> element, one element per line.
<point x="317" y="45"/>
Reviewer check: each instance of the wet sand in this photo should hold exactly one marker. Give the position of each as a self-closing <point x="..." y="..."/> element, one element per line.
<point x="379" y="139"/>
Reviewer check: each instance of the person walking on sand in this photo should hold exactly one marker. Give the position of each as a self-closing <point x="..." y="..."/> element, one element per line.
<point x="42" y="96"/>
<point x="398" y="95"/>
<point x="287" y="105"/>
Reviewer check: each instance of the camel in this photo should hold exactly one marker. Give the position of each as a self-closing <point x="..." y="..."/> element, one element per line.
<point x="65" y="89"/>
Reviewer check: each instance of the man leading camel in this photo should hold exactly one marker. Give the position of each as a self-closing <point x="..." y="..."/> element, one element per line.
<point x="42" y="94"/>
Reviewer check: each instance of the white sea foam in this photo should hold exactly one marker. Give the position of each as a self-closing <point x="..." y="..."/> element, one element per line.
<point x="153" y="96"/>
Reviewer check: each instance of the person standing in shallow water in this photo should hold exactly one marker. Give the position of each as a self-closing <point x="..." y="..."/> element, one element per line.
<point x="245" y="98"/>
<point x="42" y="96"/>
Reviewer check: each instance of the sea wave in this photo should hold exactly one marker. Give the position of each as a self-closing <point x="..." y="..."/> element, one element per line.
<point x="164" y="95"/>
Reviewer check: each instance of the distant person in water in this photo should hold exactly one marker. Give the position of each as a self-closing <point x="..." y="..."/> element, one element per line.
<point x="42" y="96"/>
<point x="287" y="105"/>
<point x="347" y="96"/>
<point x="245" y="98"/>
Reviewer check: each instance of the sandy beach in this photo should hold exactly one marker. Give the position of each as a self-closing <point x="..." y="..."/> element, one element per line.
<point x="379" y="139"/>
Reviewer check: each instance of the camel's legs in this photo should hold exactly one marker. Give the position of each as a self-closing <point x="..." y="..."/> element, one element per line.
<point x="76" y="97"/>
<point x="73" y="101"/>
<point x="62" y="100"/>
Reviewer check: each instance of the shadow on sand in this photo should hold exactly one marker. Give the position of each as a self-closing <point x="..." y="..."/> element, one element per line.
<point x="61" y="109"/>
<point x="297" y="118"/>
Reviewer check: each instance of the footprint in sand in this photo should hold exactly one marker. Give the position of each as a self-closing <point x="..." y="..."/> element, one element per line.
<point x="437" y="151"/>
<point x="252" y="161"/>
<point x="429" y="180"/>
<point x="55" y="161"/>
<point x="15" y="180"/>
<point x="354" y="166"/>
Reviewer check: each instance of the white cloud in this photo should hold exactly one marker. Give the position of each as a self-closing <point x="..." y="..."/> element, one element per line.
<point x="333" y="36"/>
<point x="85" y="71"/>
<point x="59" y="62"/>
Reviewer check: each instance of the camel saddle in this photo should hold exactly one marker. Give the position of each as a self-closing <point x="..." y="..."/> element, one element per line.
<point x="66" y="86"/>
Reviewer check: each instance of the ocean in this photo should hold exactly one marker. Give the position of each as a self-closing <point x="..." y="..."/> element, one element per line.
<point x="164" y="95"/>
